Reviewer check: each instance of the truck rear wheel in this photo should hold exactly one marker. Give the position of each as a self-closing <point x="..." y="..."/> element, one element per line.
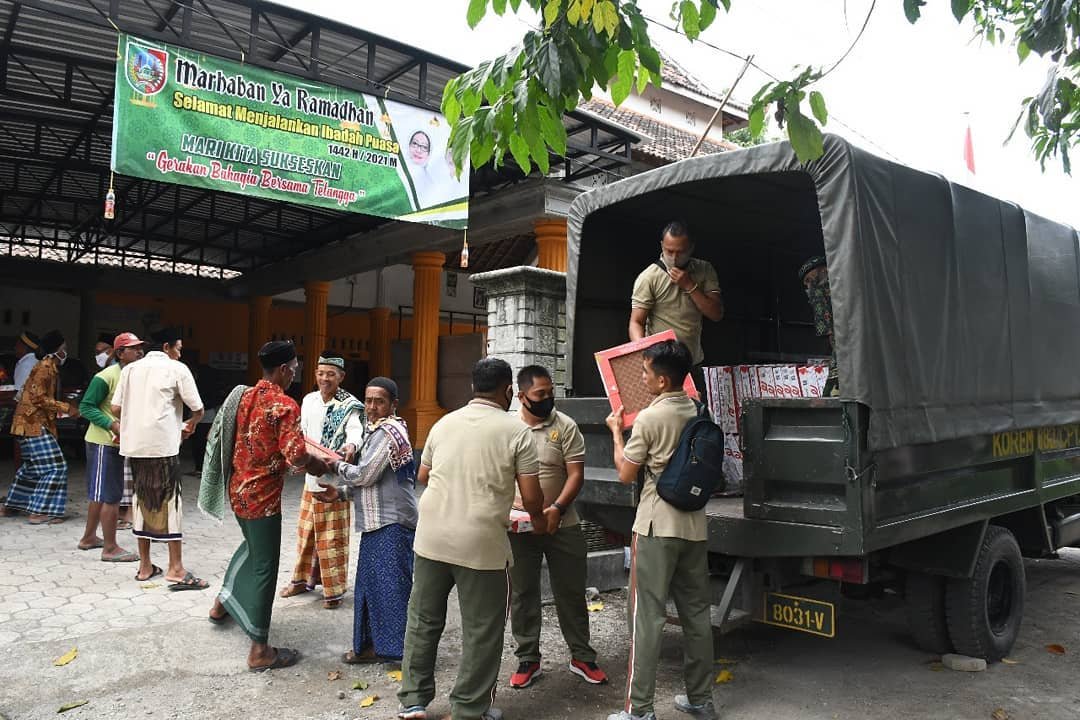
<point x="925" y="598"/>
<point x="984" y="611"/>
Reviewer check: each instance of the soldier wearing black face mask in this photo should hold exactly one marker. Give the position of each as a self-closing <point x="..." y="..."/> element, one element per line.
<point x="560" y="447"/>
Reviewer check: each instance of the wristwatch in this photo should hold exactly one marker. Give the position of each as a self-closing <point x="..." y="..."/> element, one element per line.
<point x="562" y="508"/>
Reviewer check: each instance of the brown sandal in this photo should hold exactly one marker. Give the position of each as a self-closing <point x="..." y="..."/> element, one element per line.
<point x="293" y="590"/>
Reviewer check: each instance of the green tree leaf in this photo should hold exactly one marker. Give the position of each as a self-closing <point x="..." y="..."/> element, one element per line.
<point x="757" y="120"/>
<point x="805" y="136"/>
<point x="707" y="15"/>
<point x="476" y="11"/>
<point x="912" y="9"/>
<point x="553" y="130"/>
<point x="551" y="12"/>
<point x="548" y="65"/>
<point x="817" y="106"/>
<point x="573" y="13"/>
<point x="499" y="6"/>
<point x="649" y="58"/>
<point x="691" y="22"/>
<point x="1022" y="50"/>
<point x="520" y="150"/>
<point x="624" y="81"/>
<point x="960" y="8"/>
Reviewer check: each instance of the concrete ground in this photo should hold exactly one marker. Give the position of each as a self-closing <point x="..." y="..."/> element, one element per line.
<point x="145" y="652"/>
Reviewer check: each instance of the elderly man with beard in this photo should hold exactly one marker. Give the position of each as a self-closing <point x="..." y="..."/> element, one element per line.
<point x="333" y="418"/>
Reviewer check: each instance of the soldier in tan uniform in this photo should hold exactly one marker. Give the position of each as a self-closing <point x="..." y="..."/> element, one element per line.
<point x="669" y="552"/>
<point x="675" y="292"/>
<point x="560" y="446"/>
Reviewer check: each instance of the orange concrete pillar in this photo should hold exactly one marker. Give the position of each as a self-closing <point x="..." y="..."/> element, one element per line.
<point x="316" y="293"/>
<point x="423" y="408"/>
<point x="551" y="243"/>
<point x="258" y="333"/>
<point x="379" y="363"/>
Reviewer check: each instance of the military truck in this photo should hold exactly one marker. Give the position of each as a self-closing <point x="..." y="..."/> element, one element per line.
<point x="953" y="449"/>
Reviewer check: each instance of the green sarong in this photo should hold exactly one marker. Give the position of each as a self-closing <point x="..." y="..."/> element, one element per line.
<point x="250" y="582"/>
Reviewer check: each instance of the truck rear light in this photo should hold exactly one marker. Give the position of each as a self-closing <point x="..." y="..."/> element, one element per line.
<point x="849" y="570"/>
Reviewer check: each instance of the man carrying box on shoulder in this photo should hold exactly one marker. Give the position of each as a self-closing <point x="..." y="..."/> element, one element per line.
<point x="669" y="552"/>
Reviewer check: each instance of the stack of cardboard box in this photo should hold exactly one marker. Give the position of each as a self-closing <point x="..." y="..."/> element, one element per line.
<point x="729" y="387"/>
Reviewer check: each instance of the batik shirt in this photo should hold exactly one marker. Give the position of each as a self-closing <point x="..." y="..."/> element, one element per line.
<point x="38" y="406"/>
<point x="268" y="439"/>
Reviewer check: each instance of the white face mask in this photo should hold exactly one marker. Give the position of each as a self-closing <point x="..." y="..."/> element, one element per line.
<point x="102" y="359"/>
<point x="61" y="358"/>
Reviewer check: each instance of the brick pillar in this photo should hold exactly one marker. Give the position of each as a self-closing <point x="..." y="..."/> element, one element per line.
<point x="423" y="408"/>
<point x="527" y="318"/>
<point x="551" y="243"/>
<point x="316" y="293"/>
<point x="379" y="342"/>
<point x="258" y="333"/>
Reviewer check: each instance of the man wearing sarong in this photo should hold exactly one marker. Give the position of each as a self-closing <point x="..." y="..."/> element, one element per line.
<point x="383" y="485"/>
<point x="104" y="465"/>
<point x="40" y="485"/>
<point x="333" y="418"/>
<point x="149" y="401"/>
<point x="267" y="440"/>
<point x="472" y="460"/>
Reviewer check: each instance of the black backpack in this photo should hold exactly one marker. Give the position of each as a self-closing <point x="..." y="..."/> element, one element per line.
<point x="696" y="470"/>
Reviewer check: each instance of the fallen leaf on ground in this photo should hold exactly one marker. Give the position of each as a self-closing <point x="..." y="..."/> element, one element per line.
<point x="394" y="675"/>
<point x="726" y="661"/>
<point x="1055" y="649"/>
<point x="369" y="701"/>
<point x="359" y="685"/>
<point x="333" y="675"/>
<point x="999" y="714"/>
<point x="595" y="606"/>
<point x="937" y="666"/>
<point x="66" y="657"/>
<point x="72" y="706"/>
<point x="150" y="586"/>
<point x="1010" y="661"/>
<point x="725" y="676"/>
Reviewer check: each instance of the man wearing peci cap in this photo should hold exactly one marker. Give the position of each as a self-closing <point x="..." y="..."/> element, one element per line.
<point x="104" y="466"/>
<point x="332" y="417"/>
<point x="268" y="439"/>
<point x="40" y="486"/>
<point x="149" y="401"/>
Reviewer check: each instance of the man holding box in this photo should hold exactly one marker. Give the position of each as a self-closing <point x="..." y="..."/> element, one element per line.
<point x="675" y="292"/>
<point x="560" y="447"/>
<point x="669" y="555"/>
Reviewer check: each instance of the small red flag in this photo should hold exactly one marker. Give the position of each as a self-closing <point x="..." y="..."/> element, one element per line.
<point x="969" y="151"/>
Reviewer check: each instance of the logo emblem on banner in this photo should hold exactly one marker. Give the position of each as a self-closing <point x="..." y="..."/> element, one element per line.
<point x="146" y="68"/>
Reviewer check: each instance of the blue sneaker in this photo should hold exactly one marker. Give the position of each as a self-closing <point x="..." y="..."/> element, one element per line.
<point x="413" y="712"/>
<point x="704" y="711"/>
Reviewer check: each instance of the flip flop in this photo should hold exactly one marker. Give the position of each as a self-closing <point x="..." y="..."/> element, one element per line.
<point x="219" y="621"/>
<point x="124" y="525"/>
<point x="285" y="658"/>
<point x="155" y="572"/>
<point x="351" y="658"/>
<point x="190" y="582"/>
<point x="47" y="521"/>
<point x="95" y="546"/>
<point x="122" y="557"/>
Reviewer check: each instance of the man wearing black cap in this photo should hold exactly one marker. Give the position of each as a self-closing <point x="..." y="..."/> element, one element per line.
<point x="103" y="351"/>
<point x="149" y="401"/>
<point x="268" y="440"/>
<point x="814" y="275"/>
<point x="40" y="486"/>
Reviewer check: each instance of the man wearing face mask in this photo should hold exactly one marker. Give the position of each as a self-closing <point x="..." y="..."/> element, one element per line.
<point x="103" y="352"/>
<point x="675" y="292"/>
<point x="814" y="276"/>
<point x="40" y="486"/>
<point x="472" y="459"/>
<point x="560" y="448"/>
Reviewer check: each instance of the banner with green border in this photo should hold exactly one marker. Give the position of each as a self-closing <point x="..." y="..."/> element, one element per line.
<point x="185" y="117"/>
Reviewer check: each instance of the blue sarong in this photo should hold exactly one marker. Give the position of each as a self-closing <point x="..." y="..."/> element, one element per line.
<point x="384" y="571"/>
<point x="40" y="485"/>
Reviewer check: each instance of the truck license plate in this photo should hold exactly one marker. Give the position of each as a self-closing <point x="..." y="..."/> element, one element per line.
<point x="798" y="613"/>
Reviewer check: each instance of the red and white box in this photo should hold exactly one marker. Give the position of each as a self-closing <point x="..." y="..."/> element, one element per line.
<point x="711" y="394"/>
<point x="812" y="379"/>
<point x="620" y="369"/>
<point x="790" y="381"/>
<point x="520" y="521"/>
<point x="729" y="420"/>
<point x="733" y="465"/>
<point x="767" y="381"/>
<point x="755" y="386"/>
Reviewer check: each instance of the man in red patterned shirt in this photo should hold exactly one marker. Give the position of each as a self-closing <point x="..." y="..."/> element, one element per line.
<point x="268" y="440"/>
